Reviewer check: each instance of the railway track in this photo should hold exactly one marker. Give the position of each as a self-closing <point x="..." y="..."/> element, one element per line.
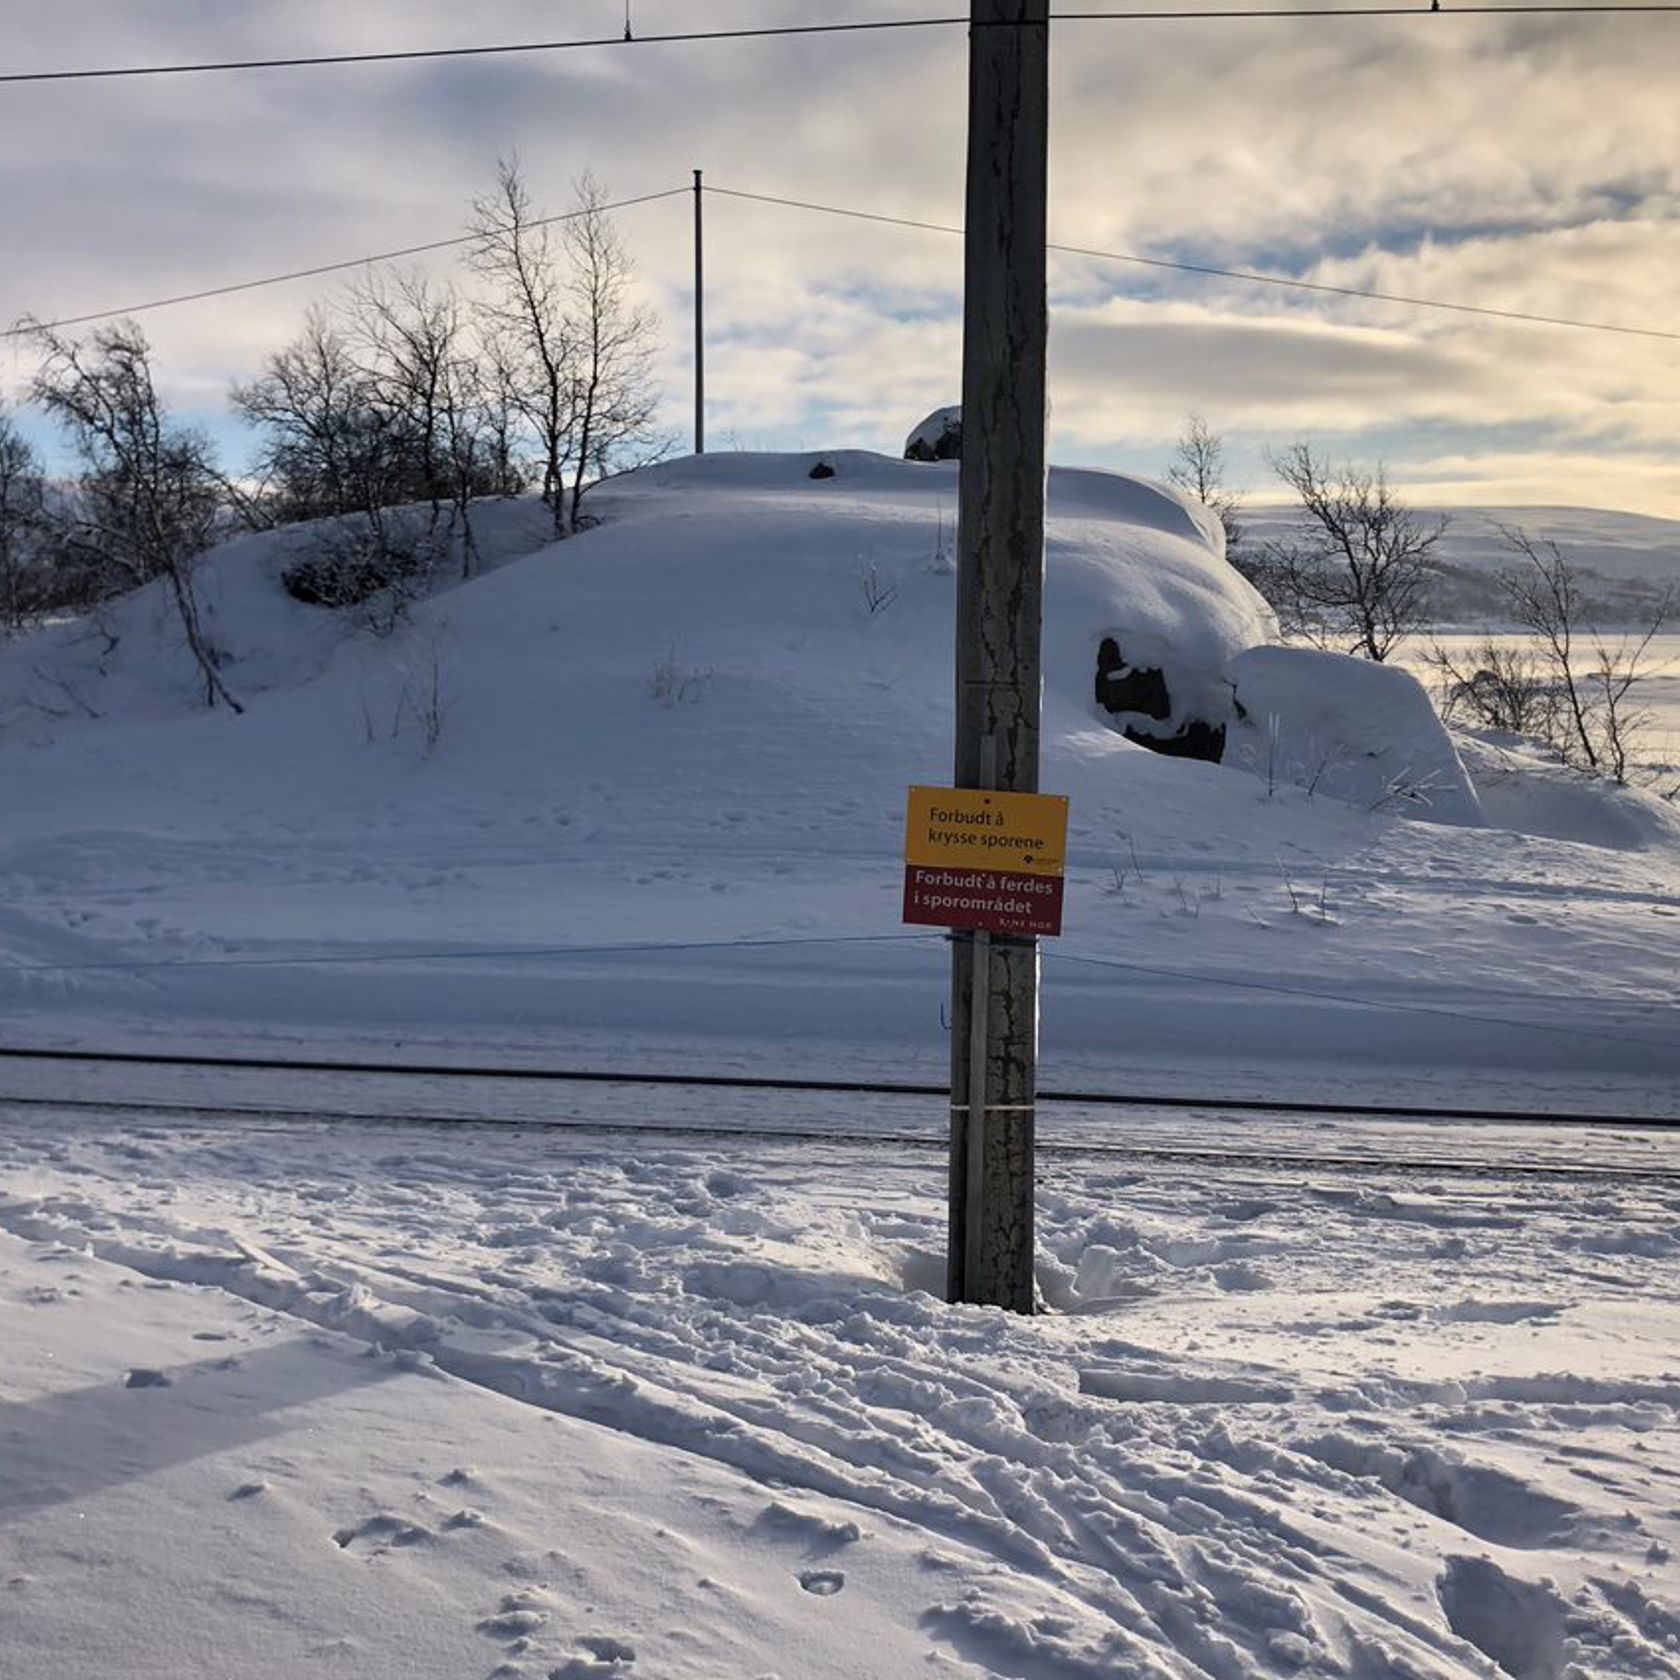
<point x="1141" y="1151"/>
<point x="519" y="1074"/>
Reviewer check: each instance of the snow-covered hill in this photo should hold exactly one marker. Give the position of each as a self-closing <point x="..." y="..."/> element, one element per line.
<point x="693" y="727"/>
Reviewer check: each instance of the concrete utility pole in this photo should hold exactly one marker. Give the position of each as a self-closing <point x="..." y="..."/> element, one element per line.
<point x="1000" y="588"/>
<point x="699" y="312"/>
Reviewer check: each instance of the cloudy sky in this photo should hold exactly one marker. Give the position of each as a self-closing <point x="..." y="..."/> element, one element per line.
<point x="1530" y="164"/>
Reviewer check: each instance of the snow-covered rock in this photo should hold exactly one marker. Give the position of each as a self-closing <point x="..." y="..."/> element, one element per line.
<point x="1347" y="729"/>
<point x="721" y="564"/>
<point x="937" y="438"/>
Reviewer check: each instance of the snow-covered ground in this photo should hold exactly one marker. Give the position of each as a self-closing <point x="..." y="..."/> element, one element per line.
<point x="296" y="1400"/>
<point x="662" y="820"/>
<point x="283" y="1399"/>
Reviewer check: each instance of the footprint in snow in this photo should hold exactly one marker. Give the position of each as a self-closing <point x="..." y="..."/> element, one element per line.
<point x="819" y="1533"/>
<point x="822" y="1583"/>
<point x="519" y="1618"/>
<point x="382" y="1532"/>
<point x="603" y="1658"/>
<point x="1521" y="1625"/>
<point x="513" y="1624"/>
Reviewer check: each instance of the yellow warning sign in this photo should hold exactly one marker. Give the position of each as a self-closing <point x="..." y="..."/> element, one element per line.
<point x="971" y="828"/>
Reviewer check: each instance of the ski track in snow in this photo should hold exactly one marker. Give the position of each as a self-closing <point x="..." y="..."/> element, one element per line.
<point x="1366" y="1431"/>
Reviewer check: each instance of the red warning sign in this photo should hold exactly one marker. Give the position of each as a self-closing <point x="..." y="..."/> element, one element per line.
<point x="983" y="900"/>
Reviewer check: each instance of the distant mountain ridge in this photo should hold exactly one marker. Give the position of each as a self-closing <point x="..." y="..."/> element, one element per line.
<point x="1626" y="561"/>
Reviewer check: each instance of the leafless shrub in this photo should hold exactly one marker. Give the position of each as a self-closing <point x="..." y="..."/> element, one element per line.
<point x="423" y="701"/>
<point x="673" y="682"/>
<point x="943" y="561"/>
<point x="378" y="564"/>
<point x="1116" y="887"/>
<point x="1406" y="787"/>
<point x="1495" y="685"/>
<point x="420" y="704"/>
<point x="1188" y="906"/>
<point x="1595" y="718"/>
<point x="1132" y="851"/>
<point x="879" y="592"/>
<point x="1307" y="906"/>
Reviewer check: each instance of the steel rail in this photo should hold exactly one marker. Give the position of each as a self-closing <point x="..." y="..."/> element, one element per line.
<point x="835" y="1087"/>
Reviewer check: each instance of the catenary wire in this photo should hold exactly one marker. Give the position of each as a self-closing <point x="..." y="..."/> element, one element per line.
<point x="1197" y="14"/>
<point x="410" y="55"/>
<point x="330" y="268"/>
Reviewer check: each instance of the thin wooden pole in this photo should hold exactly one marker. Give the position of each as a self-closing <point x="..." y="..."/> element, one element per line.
<point x="1000" y="586"/>
<point x="699" y="312"/>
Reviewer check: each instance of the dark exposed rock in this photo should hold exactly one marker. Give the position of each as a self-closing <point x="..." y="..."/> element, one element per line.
<point x="938" y="438"/>
<point x="1195" y="739"/>
<point x="1141" y="691"/>
<point x="1127" y="688"/>
<point x="822" y="470"/>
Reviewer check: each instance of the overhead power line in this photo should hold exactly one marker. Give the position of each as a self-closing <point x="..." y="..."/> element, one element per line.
<point x="325" y="268"/>
<point x="1244" y="275"/>
<point x="1248" y="275"/>
<point x="413" y="55"/>
<point x="1191" y="15"/>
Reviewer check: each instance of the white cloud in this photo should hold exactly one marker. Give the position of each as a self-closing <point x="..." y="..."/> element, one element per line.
<point x="1530" y="163"/>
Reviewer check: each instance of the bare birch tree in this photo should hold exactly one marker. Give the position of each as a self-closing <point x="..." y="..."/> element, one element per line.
<point x="149" y="494"/>
<point x="1358" y="576"/>
<point x="563" y="328"/>
<point x="23" y="588"/>
<point x="408" y="331"/>
<point x="525" y="321"/>
<point x="614" y="337"/>
<point x="1198" y="469"/>
<point x="323" y="450"/>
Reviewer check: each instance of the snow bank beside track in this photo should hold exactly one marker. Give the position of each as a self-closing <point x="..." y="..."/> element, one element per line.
<point x="1319" y="1428"/>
